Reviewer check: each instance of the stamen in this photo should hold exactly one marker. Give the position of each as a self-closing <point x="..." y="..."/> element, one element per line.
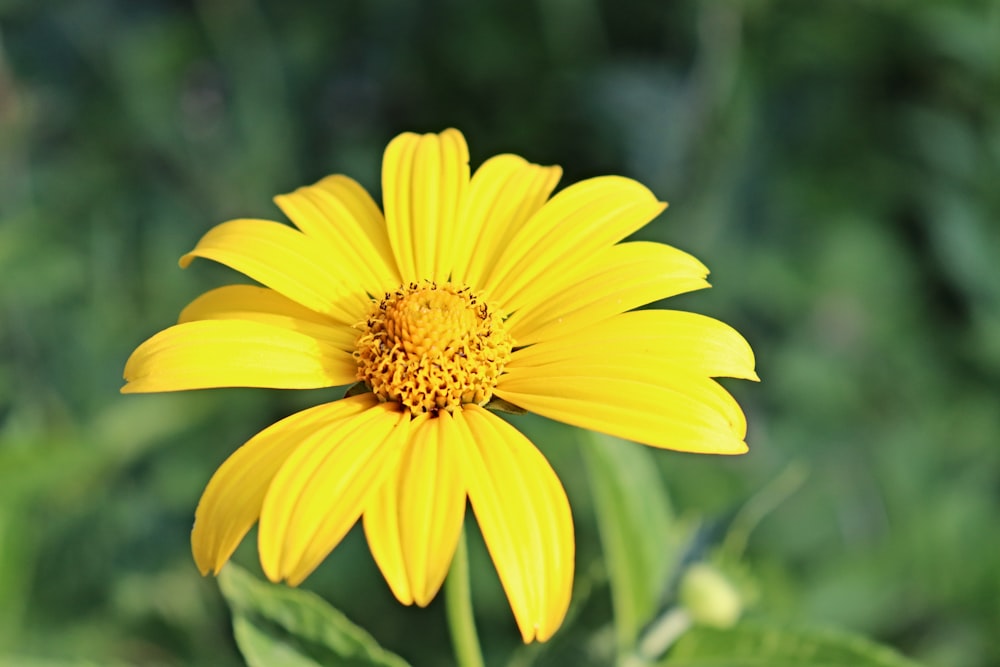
<point x="432" y="347"/>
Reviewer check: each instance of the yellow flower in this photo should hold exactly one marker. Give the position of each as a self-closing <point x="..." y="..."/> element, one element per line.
<point x="466" y="289"/>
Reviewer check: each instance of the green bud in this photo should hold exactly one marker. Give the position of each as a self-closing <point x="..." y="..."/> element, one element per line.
<point x="709" y="597"/>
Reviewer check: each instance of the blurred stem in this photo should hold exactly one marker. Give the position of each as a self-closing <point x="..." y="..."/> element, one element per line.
<point x="458" y="599"/>
<point x="760" y="505"/>
<point x="660" y="636"/>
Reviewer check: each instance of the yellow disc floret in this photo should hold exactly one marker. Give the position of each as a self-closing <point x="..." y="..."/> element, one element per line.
<point x="432" y="347"/>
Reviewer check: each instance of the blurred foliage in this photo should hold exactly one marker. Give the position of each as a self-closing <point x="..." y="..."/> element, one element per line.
<point x="277" y="625"/>
<point x="834" y="162"/>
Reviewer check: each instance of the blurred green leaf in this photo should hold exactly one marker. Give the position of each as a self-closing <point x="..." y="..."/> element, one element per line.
<point x="25" y="661"/>
<point x="123" y="431"/>
<point x="759" y="644"/>
<point x="276" y="625"/>
<point x="637" y="529"/>
<point x="16" y="559"/>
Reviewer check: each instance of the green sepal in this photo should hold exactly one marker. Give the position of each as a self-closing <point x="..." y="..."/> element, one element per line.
<point x="357" y="389"/>
<point x="497" y="404"/>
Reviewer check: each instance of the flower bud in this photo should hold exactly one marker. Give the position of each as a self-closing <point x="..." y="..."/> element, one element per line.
<point x="709" y="597"/>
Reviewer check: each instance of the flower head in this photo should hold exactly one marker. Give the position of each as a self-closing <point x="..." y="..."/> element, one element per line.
<point x="466" y="289"/>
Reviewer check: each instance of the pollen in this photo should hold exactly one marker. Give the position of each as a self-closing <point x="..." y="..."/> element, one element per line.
<point x="432" y="347"/>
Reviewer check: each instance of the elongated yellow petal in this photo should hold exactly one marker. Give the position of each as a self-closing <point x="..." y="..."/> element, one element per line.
<point x="235" y="353"/>
<point x="551" y="248"/>
<point x="414" y="521"/>
<point x="673" y="339"/>
<point x="260" y="304"/>
<point x="504" y="193"/>
<point x="655" y="404"/>
<point x="232" y="301"/>
<point x="525" y="519"/>
<point x="322" y="488"/>
<point x="424" y="180"/>
<point x="382" y="530"/>
<point x="396" y="200"/>
<point x="232" y="500"/>
<point x="620" y="278"/>
<point x="340" y="215"/>
<point x="287" y="261"/>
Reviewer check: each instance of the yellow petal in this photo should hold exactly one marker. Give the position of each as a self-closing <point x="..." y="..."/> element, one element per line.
<point x="693" y="343"/>
<point x="653" y="403"/>
<point x="235" y="353"/>
<point x="382" y="530"/>
<point x="504" y="193"/>
<point x="260" y="304"/>
<point x="287" y="261"/>
<point x="232" y="301"/>
<point x="321" y="489"/>
<point x="525" y="519"/>
<point x="550" y="249"/>
<point x="424" y="179"/>
<point x="232" y="500"/>
<point x="340" y="215"/>
<point x="413" y="522"/>
<point x="620" y="278"/>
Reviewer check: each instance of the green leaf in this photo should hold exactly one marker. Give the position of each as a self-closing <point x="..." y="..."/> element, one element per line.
<point x="638" y="534"/>
<point x="762" y="644"/>
<point x="277" y="625"/>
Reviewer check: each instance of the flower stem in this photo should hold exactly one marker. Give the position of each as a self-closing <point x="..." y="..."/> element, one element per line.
<point x="458" y="599"/>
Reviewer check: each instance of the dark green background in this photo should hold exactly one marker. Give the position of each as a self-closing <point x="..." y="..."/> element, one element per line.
<point x="835" y="163"/>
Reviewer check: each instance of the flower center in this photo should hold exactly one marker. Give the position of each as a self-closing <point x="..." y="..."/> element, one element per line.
<point x="432" y="347"/>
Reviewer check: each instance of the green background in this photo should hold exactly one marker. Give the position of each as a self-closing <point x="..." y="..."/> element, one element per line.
<point x="835" y="163"/>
